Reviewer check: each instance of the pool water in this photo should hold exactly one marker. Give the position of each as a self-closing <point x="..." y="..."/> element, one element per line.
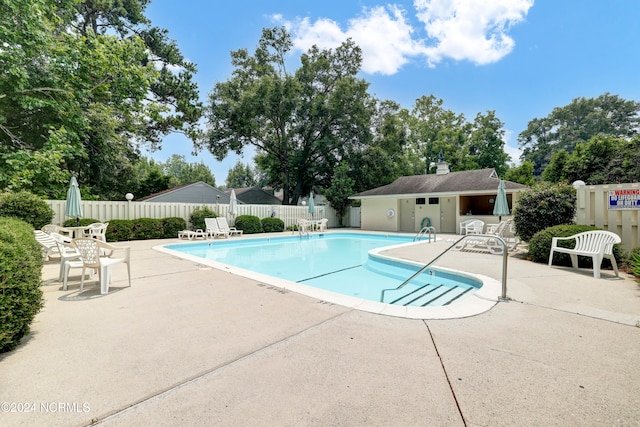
<point x="337" y="262"/>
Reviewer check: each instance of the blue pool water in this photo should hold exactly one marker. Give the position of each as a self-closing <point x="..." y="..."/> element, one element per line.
<point x="337" y="262"/>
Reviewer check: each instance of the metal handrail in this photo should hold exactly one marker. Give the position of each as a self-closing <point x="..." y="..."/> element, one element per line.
<point x="470" y="236"/>
<point x="430" y="229"/>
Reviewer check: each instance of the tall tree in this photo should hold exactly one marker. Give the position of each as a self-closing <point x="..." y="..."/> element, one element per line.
<point x="342" y="186"/>
<point x="576" y="123"/>
<point x="182" y="172"/>
<point x="303" y="123"/>
<point x="84" y="83"/>
<point x="240" y="176"/>
<point x="486" y="145"/>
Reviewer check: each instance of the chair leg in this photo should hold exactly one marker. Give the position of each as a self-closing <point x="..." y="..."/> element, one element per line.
<point x="82" y="279"/>
<point x="129" y="274"/>
<point x="104" y="280"/>
<point x="614" y="264"/>
<point x="551" y="258"/>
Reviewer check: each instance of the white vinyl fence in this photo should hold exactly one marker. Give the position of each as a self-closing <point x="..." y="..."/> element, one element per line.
<point x="108" y="210"/>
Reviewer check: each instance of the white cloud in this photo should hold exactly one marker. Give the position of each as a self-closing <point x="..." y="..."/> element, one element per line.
<point x="473" y="30"/>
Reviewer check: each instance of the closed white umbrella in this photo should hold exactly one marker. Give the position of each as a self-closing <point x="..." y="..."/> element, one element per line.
<point x="73" y="205"/>
<point x="501" y="206"/>
<point x="233" y="203"/>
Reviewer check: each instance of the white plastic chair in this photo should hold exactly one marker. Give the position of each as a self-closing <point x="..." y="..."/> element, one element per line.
<point x="91" y="250"/>
<point x="213" y="229"/>
<point x="97" y="230"/>
<point x="69" y="258"/>
<point x="223" y="225"/>
<point x="322" y="224"/>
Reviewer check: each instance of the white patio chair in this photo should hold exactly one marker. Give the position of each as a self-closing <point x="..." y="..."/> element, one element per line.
<point x="47" y="244"/>
<point x="213" y="229"/>
<point x="91" y="250"/>
<point x="69" y="257"/>
<point x="97" y="230"/>
<point x="51" y="228"/>
<point x="322" y="224"/>
<point x="223" y="225"/>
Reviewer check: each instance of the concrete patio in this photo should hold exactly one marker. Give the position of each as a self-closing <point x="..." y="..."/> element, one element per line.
<point x="191" y="345"/>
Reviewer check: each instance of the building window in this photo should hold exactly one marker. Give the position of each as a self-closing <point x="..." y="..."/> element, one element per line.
<point x="434" y="201"/>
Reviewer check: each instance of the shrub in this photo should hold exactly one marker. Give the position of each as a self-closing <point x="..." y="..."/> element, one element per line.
<point x="83" y="222"/>
<point x="540" y="246"/>
<point x="119" y="230"/>
<point x="20" y="272"/>
<point x="270" y="225"/>
<point x="198" y="215"/>
<point x="542" y="207"/>
<point x="633" y="262"/>
<point x="171" y="226"/>
<point x="27" y="207"/>
<point x="146" y="228"/>
<point x="249" y="224"/>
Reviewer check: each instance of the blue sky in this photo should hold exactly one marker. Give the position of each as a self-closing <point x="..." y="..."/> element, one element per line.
<point x="520" y="58"/>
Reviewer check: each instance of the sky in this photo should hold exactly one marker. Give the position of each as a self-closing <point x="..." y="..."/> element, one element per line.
<point x="519" y="58"/>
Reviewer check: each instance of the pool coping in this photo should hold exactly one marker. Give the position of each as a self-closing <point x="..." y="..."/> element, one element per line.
<point x="479" y="302"/>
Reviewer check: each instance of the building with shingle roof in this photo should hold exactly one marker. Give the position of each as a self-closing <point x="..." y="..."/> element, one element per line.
<point x="443" y="199"/>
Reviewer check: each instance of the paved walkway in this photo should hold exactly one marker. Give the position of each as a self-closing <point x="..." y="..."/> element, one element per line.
<point x="190" y="345"/>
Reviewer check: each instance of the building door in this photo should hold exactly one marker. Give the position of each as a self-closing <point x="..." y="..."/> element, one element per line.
<point x="407" y="215"/>
<point x="447" y="215"/>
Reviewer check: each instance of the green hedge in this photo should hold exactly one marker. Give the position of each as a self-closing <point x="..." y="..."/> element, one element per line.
<point x="249" y="224"/>
<point x="20" y="271"/>
<point x="171" y="226"/>
<point x="147" y="228"/>
<point x="540" y="246"/>
<point x="270" y="225"/>
<point x="83" y="222"/>
<point x="27" y="207"/>
<point x="196" y="220"/>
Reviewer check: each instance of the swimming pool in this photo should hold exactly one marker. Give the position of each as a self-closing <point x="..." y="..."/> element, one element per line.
<point x="342" y="267"/>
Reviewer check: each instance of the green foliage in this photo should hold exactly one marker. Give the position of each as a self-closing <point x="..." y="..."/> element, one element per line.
<point x="84" y="83"/>
<point x="540" y="246"/>
<point x="301" y="123"/>
<point x="271" y="225"/>
<point x="339" y="191"/>
<point x="578" y="122"/>
<point x="27" y="207"/>
<point x="633" y="262"/>
<point x="20" y="271"/>
<point x="171" y="226"/>
<point x="249" y="224"/>
<point x="542" y="207"/>
<point x="147" y="228"/>
<point x="522" y="174"/>
<point x="240" y="176"/>
<point x="181" y="172"/>
<point x="196" y="220"/>
<point x="119" y="230"/>
<point x="83" y="222"/>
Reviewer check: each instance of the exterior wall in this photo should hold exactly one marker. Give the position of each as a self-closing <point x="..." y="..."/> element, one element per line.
<point x="374" y="215"/>
<point x="107" y="210"/>
<point x="593" y="209"/>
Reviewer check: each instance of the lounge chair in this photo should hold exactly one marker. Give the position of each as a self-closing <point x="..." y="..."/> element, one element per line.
<point x="213" y="229"/>
<point x="47" y="243"/>
<point x="91" y="251"/>
<point x="51" y="228"/>
<point x="223" y="225"/>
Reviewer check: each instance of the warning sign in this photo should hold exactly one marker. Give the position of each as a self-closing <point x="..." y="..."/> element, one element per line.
<point x="624" y="199"/>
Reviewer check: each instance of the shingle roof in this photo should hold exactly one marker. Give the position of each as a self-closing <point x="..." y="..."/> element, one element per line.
<point x="454" y="182"/>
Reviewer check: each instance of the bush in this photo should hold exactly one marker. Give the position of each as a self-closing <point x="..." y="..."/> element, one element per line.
<point x="171" y="226"/>
<point x="27" y="207"/>
<point x="542" y="207"/>
<point x="146" y="228"/>
<point x="270" y="225"/>
<point x="249" y="224"/>
<point x="633" y="262"/>
<point x="119" y="230"/>
<point x="83" y="222"/>
<point x="540" y="246"/>
<point x="198" y="215"/>
<point x="20" y="272"/>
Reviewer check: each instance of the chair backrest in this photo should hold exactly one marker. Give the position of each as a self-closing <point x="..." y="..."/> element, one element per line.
<point x="475" y="226"/>
<point x="50" y="228"/>
<point x="89" y="249"/>
<point x="211" y="224"/>
<point x="596" y="240"/>
<point x="222" y="223"/>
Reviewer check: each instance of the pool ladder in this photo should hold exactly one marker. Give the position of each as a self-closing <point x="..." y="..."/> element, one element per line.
<point x="505" y="255"/>
<point x="430" y="231"/>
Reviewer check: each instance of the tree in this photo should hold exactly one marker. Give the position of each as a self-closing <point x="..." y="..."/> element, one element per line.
<point x="555" y="170"/>
<point x="486" y="145"/>
<point x="522" y="174"/>
<point x="542" y="207"/>
<point x="302" y="124"/>
<point x="578" y="122"/>
<point x="339" y="191"/>
<point x="151" y="178"/>
<point x="84" y="83"/>
<point x="240" y="176"/>
<point x="182" y="172"/>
